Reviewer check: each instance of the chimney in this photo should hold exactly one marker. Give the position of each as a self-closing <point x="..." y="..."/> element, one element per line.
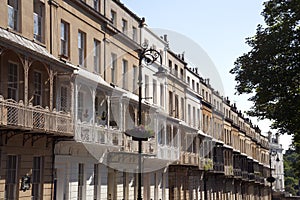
<point x="165" y="37"/>
<point x="270" y="136"/>
<point x="207" y="81"/>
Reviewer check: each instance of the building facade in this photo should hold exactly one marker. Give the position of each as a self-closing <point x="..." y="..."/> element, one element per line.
<point x="69" y="77"/>
<point x="276" y="152"/>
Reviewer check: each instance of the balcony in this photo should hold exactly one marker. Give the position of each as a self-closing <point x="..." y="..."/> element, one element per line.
<point x="218" y="168"/>
<point x="228" y="171"/>
<point x="188" y="158"/>
<point x="97" y="134"/>
<point x="245" y="175"/>
<point x="251" y="176"/>
<point x="237" y="173"/>
<point x="205" y="164"/>
<point x="168" y="153"/>
<point x="16" y="115"/>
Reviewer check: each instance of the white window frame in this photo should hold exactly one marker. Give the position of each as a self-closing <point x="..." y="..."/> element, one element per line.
<point x="96" y="181"/>
<point x="134" y="33"/>
<point x="113" y="17"/>
<point x="154" y="90"/>
<point x="124" y="73"/>
<point x="13" y="14"/>
<point x="80" y="105"/>
<point x="146" y="86"/>
<point x="15" y="76"/>
<point x="37" y="178"/>
<point x="97" y="54"/>
<point x="64" y="88"/>
<point x="81" y="182"/>
<point x="113" y="67"/>
<point x="124" y="26"/>
<point x="38" y="94"/>
<point x="11" y="182"/>
<point x="96" y="5"/>
<point x="134" y="80"/>
<point x="64" y="38"/>
<point x="81" y="48"/>
<point x="38" y="20"/>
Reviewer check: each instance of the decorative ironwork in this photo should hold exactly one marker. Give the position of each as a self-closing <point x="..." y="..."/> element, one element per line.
<point x="149" y="56"/>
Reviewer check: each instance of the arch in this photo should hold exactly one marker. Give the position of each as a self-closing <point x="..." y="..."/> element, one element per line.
<point x="11" y="75"/>
<point x="84" y="103"/>
<point x="39" y="84"/>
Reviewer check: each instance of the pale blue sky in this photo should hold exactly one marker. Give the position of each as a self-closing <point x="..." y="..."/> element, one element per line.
<point x="219" y="27"/>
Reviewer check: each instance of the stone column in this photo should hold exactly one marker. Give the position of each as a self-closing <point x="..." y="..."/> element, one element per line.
<point x="51" y="77"/>
<point x="26" y="64"/>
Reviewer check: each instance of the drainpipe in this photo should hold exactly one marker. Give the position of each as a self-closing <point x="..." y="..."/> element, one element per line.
<point x="50" y="3"/>
<point x="105" y="41"/>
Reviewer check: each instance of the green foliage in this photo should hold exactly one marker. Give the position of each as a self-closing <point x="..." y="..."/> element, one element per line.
<point x="271" y="69"/>
<point x="291" y="162"/>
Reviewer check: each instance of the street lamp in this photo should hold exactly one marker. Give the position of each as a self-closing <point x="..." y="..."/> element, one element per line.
<point x="148" y="56"/>
<point x="271" y="179"/>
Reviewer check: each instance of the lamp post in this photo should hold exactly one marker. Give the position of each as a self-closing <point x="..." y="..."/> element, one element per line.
<point x="148" y="56"/>
<point x="271" y="179"/>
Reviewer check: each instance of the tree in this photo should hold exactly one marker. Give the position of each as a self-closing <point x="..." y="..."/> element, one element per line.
<point x="291" y="179"/>
<point x="271" y="69"/>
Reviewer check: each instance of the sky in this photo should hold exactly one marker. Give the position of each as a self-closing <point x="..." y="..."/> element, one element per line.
<point x="219" y="28"/>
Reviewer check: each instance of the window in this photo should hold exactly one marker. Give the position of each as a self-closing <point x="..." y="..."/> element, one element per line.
<point x="124" y="26"/>
<point x="188" y="80"/>
<point x="176" y="70"/>
<point x="11" y="183"/>
<point x="13" y="14"/>
<point x="96" y="181"/>
<point x="80" y="194"/>
<point x="64" y="38"/>
<point x="189" y="114"/>
<point x="176" y="106"/>
<point x="113" y="16"/>
<point x="37" y="174"/>
<point x="162" y="96"/>
<point x="38" y="20"/>
<point x="182" y="108"/>
<point x="134" y="80"/>
<point x="193" y="85"/>
<point x="181" y="74"/>
<point x="146" y="86"/>
<point x="80" y="105"/>
<point x="37" y="79"/>
<point x="81" y="48"/>
<point x="197" y="87"/>
<point x="198" y="120"/>
<point x="170" y="103"/>
<point x="97" y="56"/>
<point x="64" y="98"/>
<point x="96" y="5"/>
<point x="124" y="73"/>
<point x="12" y="85"/>
<point x="170" y="65"/>
<point x="113" y="67"/>
<point x="194" y="116"/>
<point x="154" y="92"/>
<point x="161" y="138"/>
<point x="134" y="34"/>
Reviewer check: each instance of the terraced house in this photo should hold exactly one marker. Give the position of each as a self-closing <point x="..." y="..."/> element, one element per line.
<point x="70" y="85"/>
